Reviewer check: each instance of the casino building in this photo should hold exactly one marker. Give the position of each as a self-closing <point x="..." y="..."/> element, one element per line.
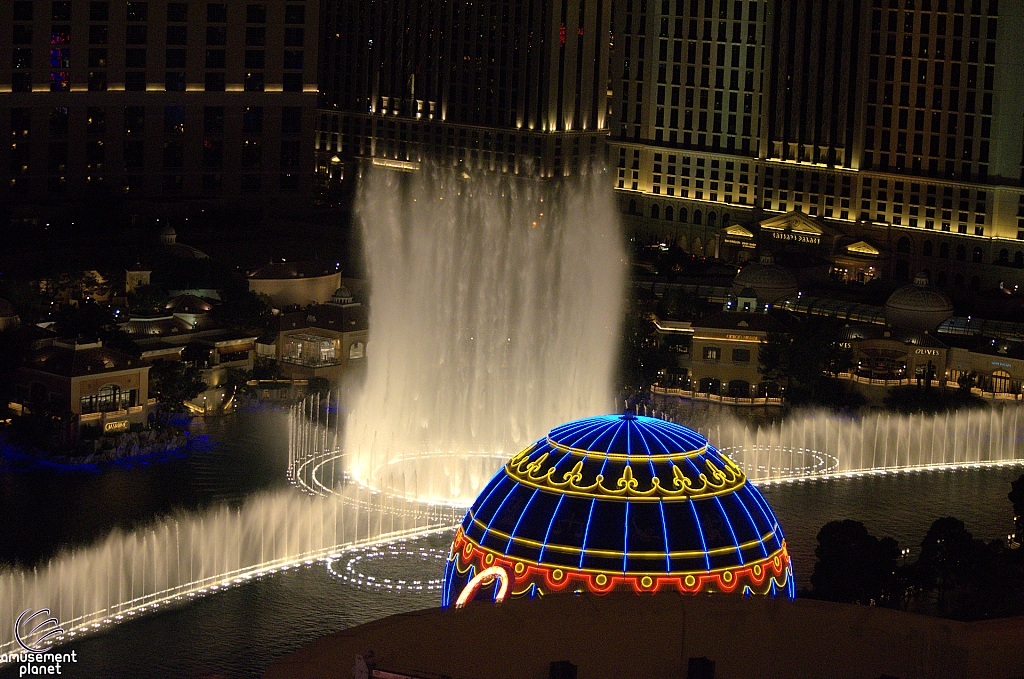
<point x="618" y="503"/>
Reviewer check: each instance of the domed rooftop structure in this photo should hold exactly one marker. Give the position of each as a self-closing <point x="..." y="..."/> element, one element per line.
<point x="918" y="306"/>
<point x="770" y="281"/>
<point x="168" y="236"/>
<point x="342" y="296"/>
<point x="618" y="502"/>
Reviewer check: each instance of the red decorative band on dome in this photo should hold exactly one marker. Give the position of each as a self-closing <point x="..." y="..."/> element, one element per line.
<point x="763" y="577"/>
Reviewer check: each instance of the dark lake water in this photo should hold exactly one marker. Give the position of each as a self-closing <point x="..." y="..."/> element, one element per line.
<point x="237" y="633"/>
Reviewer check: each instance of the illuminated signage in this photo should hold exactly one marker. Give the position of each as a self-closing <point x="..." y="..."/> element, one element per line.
<point x="797" y="237"/>
<point x="927" y="352"/>
<point x="110" y="427"/>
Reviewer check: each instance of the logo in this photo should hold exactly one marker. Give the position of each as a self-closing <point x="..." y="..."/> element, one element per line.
<point x="33" y="640"/>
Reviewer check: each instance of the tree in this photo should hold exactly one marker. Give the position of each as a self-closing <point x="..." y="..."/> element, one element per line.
<point x="805" y="358"/>
<point x="948" y="552"/>
<point x="853" y="566"/>
<point x="146" y="299"/>
<point x="243" y="309"/>
<point x="173" y="383"/>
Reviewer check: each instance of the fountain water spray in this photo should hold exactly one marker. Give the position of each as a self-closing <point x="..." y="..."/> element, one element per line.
<point x="496" y="312"/>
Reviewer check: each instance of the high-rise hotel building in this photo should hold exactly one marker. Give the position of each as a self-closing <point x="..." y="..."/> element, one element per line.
<point x="505" y="85"/>
<point x="157" y="100"/>
<point x="881" y="137"/>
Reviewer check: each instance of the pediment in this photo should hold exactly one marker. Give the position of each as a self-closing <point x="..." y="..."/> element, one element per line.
<point x="863" y="247"/>
<point x="738" y="231"/>
<point x="799" y="223"/>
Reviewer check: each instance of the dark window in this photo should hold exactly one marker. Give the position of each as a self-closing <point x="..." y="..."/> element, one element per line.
<point x="135" y="81"/>
<point x="289" y="182"/>
<point x="174" y="119"/>
<point x="177" y="11"/>
<point x="134" y="119"/>
<point x="291" y="120"/>
<point x="135" y="35"/>
<point x="741" y="355"/>
<point x="293" y="59"/>
<point x="255" y="58"/>
<point x="99" y="11"/>
<point x="256" y="36"/>
<point x="58" y="156"/>
<point x="251" y="183"/>
<point x="290" y="153"/>
<point x="215" y="82"/>
<point x="60" y="10"/>
<point x="95" y="154"/>
<point x="252" y="154"/>
<point x="216" y="35"/>
<point x="21" y="120"/>
<point x="98" y="35"/>
<point x="177" y="35"/>
<point x="23" y="34"/>
<point x="252" y="120"/>
<point x="211" y="184"/>
<point x="213" y="120"/>
<point x="216" y="12"/>
<point x="213" y="153"/>
<point x="173" y="154"/>
<point x="256" y="14"/>
<point x="294" y="14"/>
<point x="135" y="57"/>
<point x="23" y="10"/>
<point x="214" y="58"/>
<point x="22" y="57"/>
<point x="96" y="120"/>
<point x="292" y="82"/>
<point x="294" y="37"/>
<point x="175" y="58"/>
<point x="97" y="81"/>
<point x="58" y="120"/>
<point x="134" y="155"/>
<point x="254" y="81"/>
<point x="97" y="57"/>
<point x="138" y="11"/>
<point x="172" y="183"/>
<point x="21" y="82"/>
<point x="174" y="81"/>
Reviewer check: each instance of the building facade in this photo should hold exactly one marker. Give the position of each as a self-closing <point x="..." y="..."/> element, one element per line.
<point x="158" y="100"/>
<point x="892" y="122"/>
<point x="514" y="87"/>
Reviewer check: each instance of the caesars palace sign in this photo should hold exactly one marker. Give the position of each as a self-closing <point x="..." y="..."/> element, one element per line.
<point x="797" y="237"/>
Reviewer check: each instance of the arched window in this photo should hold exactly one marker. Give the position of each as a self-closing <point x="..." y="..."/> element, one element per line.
<point x="698" y="218"/>
<point x="712" y="219"/>
<point x="926" y="248"/>
<point x="975" y="284"/>
<point x="632" y="207"/>
<point x="655" y="212"/>
<point x="682" y="214"/>
<point x="1018" y="258"/>
<point x="976" y="256"/>
<point x="944" y="250"/>
<point x="961" y="253"/>
<point x="668" y="213"/>
<point x="356" y="350"/>
<point x="725" y="219"/>
<point x="107" y="397"/>
<point x="1004" y="256"/>
<point x="903" y="246"/>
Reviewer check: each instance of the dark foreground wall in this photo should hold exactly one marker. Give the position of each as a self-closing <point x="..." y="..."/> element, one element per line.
<point x="653" y="636"/>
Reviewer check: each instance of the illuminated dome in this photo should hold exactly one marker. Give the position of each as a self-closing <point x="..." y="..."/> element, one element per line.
<point x="770" y="281"/>
<point x="917" y="306"/>
<point x="618" y="502"/>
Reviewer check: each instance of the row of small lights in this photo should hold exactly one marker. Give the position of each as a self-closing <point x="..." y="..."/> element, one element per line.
<point x="905" y="470"/>
<point x="394" y="550"/>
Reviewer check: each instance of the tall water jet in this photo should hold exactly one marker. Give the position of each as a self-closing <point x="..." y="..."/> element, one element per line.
<point x="495" y="313"/>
